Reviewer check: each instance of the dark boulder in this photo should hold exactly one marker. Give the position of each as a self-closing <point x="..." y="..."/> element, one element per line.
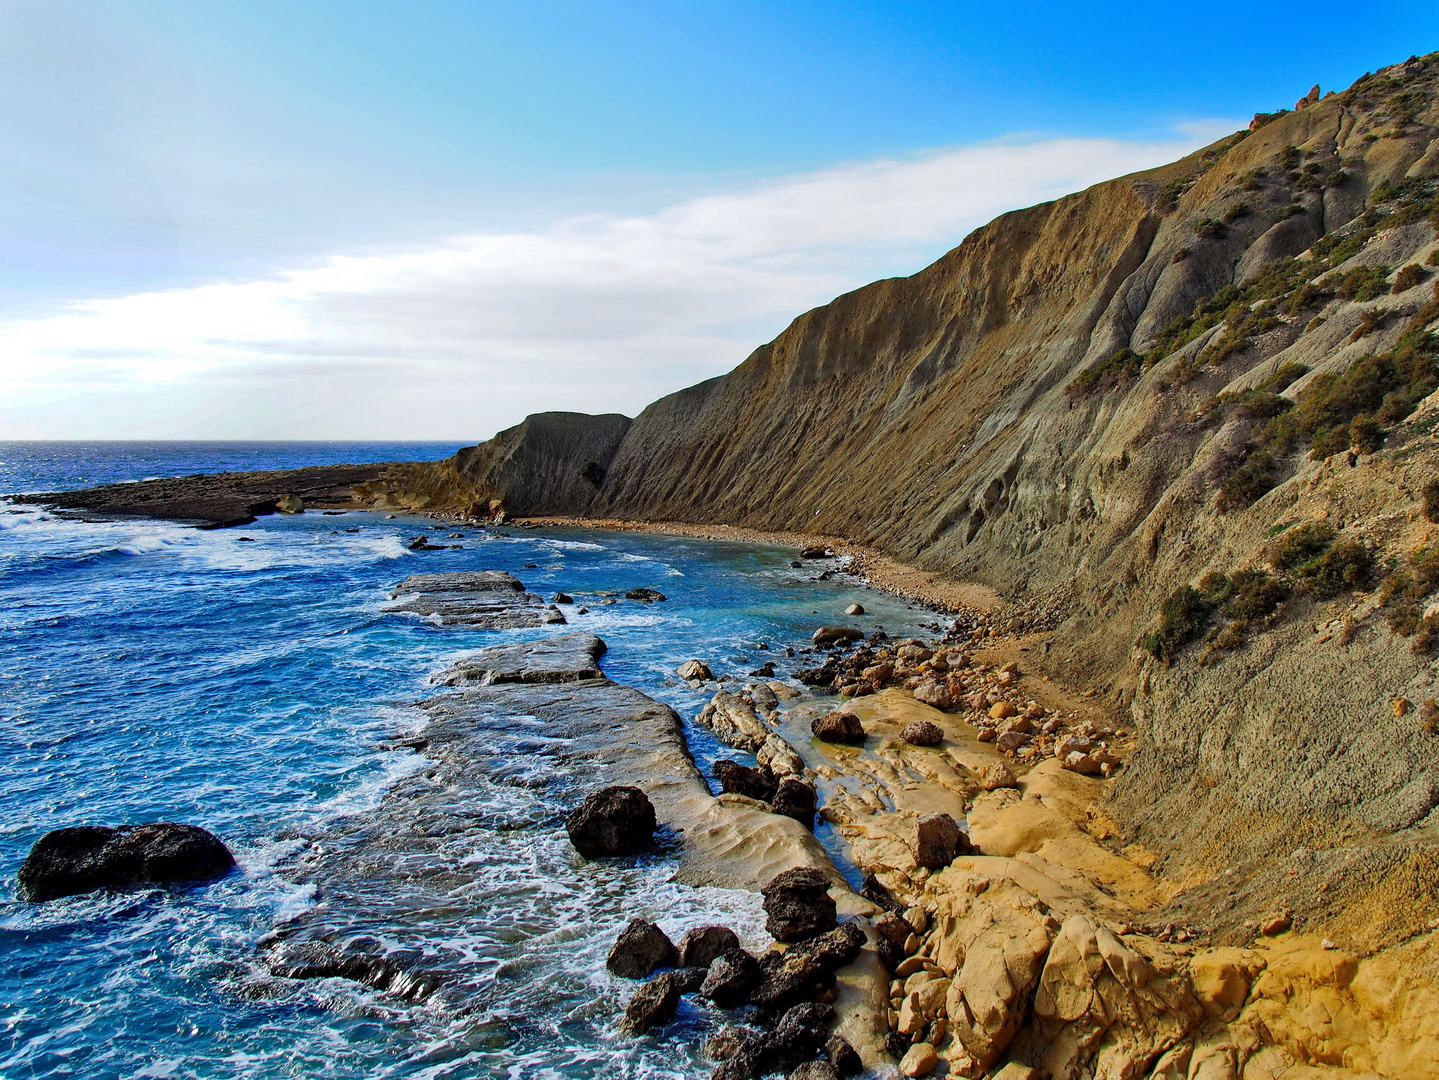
<point x="67" y="862"/>
<point x="805" y="970"/>
<point x="647" y="595"/>
<point x="641" y="949"/>
<point x="798" y="905"/>
<point x="562" y="598"/>
<point x="844" y="1057"/>
<point x="392" y="974"/>
<point x="729" y="1041"/>
<point x="890" y="953"/>
<point x="689" y="979"/>
<point x="838" y="727"/>
<point x="740" y="779"/>
<point x="702" y="945"/>
<point x="796" y="799"/>
<point x="612" y="821"/>
<point x="892" y="926"/>
<point x="922" y="733"/>
<point x="937" y="840"/>
<point x="731" y="979"/>
<point x="829" y="635"/>
<point x="814" y="553"/>
<point x="875" y="891"/>
<point x="653" y="1005"/>
<point x="797" y="1037"/>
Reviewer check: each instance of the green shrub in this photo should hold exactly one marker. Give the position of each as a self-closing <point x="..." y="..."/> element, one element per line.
<point x="1303" y="544"/>
<point x="1119" y="368"/>
<point x="1361" y="284"/>
<point x="1182" y="616"/>
<point x="1285" y="375"/>
<point x="1408" y="277"/>
<point x="1246" y="484"/>
<point x="1235" y="212"/>
<point x="1256" y="594"/>
<point x="1346" y="565"/>
<point x="1209" y="229"/>
<point x="1365" y="434"/>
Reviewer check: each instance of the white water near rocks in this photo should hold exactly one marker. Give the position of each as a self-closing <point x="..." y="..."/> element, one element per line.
<point x="150" y="671"/>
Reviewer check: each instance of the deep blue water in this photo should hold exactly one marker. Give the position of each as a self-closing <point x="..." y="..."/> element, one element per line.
<point x="65" y="466"/>
<point x="150" y="671"/>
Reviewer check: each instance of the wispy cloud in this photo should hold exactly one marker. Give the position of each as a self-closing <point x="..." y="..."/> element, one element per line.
<point x="457" y="339"/>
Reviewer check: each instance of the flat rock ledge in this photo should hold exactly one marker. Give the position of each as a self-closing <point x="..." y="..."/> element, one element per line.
<point x="483" y="599"/>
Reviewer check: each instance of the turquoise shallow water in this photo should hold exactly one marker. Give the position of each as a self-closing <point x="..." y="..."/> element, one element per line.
<point x="150" y="671"/>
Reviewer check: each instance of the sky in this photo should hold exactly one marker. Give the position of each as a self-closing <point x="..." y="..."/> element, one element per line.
<point x="425" y="220"/>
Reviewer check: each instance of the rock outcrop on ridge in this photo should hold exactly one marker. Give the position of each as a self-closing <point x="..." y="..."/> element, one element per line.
<point x="1194" y="402"/>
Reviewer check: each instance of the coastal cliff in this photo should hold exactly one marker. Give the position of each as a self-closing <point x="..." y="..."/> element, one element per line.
<point x="1131" y="398"/>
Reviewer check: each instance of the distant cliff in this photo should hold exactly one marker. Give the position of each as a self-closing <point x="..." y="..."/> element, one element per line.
<point x="1139" y="394"/>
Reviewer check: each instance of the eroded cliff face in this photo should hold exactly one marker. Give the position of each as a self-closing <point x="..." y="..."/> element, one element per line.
<point x="1079" y="397"/>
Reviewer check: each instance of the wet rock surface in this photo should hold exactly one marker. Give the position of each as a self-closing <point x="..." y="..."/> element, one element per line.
<point x="617" y="820"/>
<point x="484" y="599"/>
<point x="641" y="949"/>
<point x="81" y="859"/>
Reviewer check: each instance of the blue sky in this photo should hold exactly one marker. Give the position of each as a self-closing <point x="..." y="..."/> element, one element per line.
<point x="159" y="148"/>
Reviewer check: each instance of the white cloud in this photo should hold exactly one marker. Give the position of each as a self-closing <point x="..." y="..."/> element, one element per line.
<point x="455" y="340"/>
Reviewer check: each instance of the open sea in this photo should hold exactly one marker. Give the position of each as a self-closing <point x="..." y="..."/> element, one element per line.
<point x="151" y="671"/>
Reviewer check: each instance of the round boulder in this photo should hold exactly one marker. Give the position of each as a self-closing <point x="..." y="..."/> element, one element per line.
<point x="641" y="949"/>
<point x="854" y="609"/>
<point x="702" y="945"/>
<point x="798" y="905"/>
<point x="922" y="733"/>
<point x="838" y="727"/>
<point x="616" y="820"/>
<point x="81" y="859"/>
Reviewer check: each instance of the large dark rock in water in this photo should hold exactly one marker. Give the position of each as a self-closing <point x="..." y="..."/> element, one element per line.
<point x="642" y="948"/>
<point x="83" y="858"/>
<point x="798" y="905"/>
<point x="653" y="1005"/>
<point x="796" y="799"/>
<point x="612" y="821"/>
<point x="731" y="978"/>
<point x="700" y="947"/>
<point x="757" y="783"/>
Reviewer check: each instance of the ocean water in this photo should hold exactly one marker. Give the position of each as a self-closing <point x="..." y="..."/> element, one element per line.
<point x="65" y="466"/>
<point x="150" y="671"/>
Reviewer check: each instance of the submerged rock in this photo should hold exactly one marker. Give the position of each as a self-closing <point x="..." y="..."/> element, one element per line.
<point x="798" y="905"/>
<point x="612" y="821"/>
<point x="81" y="859"/>
<point x="641" y="949"/>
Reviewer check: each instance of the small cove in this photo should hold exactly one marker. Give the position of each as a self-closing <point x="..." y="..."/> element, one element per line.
<point x="157" y="672"/>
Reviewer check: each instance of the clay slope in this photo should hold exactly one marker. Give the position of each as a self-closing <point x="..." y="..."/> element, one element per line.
<point x="1115" y="395"/>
